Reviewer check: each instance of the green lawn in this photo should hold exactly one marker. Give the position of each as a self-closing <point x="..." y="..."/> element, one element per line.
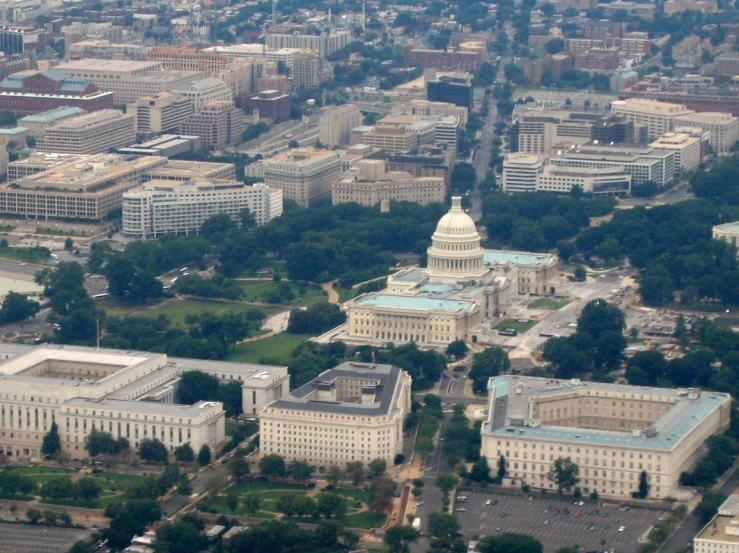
<point x="353" y="493"/>
<point x="113" y="484"/>
<point x="514" y="323"/>
<point x="365" y="519"/>
<point x="177" y="311"/>
<point x="548" y="303"/>
<point x="29" y="255"/>
<point x="273" y="349"/>
<point x="260" y="291"/>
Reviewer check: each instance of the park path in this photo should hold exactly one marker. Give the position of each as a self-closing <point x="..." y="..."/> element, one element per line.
<point x="333" y="295"/>
<point x="274" y="324"/>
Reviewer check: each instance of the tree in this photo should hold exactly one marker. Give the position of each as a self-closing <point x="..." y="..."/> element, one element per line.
<point x="355" y="471"/>
<point x="509" y="543"/>
<point x="480" y="470"/>
<point x="555" y="46"/>
<point x="334" y="474"/>
<point x="103" y="443"/>
<point x="184" y="453"/>
<point x="580" y="273"/>
<point x="180" y="537"/>
<point x="153" y="451"/>
<point x="599" y="318"/>
<point x="51" y="444"/>
<point x="33" y="515"/>
<point x="49" y="516"/>
<point x="501" y="467"/>
<point x="252" y="503"/>
<point x="457" y="349"/>
<point x="446" y="483"/>
<point x="119" y="270"/>
<point x="239" y="468"/>
<point x="486" y="364"/>
<point x="204" y="455"/>
<point x="300" y="470"/>
<point x="331" y="505"/>
<point x="377" y="467"/>
<point x="68" y="244"/>
<point x="381" y="494"/>
<point x="643" y="485"/>
<point x="564" y="473"/>
<point x="272" y="466"/>
<point x="443" y="525"/>
<point x="16" y="307"/>
<point x="399" y="538"/>
<point x="247" y="219"/>
<point x="64" y="519"/>
<point x="708" y="507"/>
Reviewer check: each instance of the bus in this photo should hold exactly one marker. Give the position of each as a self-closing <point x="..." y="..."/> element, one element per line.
<point x="183" y="270"/>
<point x="508" y="332"/>
<point x="100" y="297"/>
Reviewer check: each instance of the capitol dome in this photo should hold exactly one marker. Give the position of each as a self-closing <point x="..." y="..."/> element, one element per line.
<point x="455" y="253"/>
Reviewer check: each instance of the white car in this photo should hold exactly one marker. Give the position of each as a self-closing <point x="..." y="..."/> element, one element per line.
<point x="621" y="528"/>
<point x="489" y="502"/>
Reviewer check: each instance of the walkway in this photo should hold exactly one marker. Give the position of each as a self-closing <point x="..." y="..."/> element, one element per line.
<point x="333" y="295"/>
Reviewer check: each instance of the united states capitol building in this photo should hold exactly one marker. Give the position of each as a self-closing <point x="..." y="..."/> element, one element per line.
<point x="462" y="291"/>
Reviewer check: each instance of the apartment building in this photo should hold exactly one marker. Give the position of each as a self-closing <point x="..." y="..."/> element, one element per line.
<point x="449" y="59"/>
<point x="164" y="112"/>
<point x="687" y="150"/>
<point x="38" y="123"/>
<point x="397" y="133"/>
<point x="353" y="412"/>
<point x="88" y="188"/>
<point x="659" y="117"/>
<point x="521" y="172"/>
<point x="90" y="133"/>
<point x="613" y="432"/>
<point x="250" y="52"/>
<point x="723" y="128"/>
<point x="165" y="206"/>
<point x="304" y="175"/>
<point x="609" y="181"/>
<point x="126" y="393"/>
<point x="324" y="44"/>
<point x="335" y="124"/>
<point x="306" y="71"/>
<point x="218" y="124"/>
<point x="368" y="183"/>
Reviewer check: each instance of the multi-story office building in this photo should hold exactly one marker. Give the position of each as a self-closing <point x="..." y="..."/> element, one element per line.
<point x="426" y="161"/>
<point x="37" y="162"/>
<point x="659" y="117"/>
<point x="270" y="105"/>
<point x="90" y="133"/>
<point x="687" y="150"/>
<point x="613" y="129"/>
<point x="447" y="131"/>
<point x="304" y="175"/>
<point x="218" y="124"/>
<point x="609" y="181"/>
<point x="306" y="72"/>
<point x="454" y="89"/>
<point x="324" y="44"/>
<point x="728" y="232"/>
<point x="38" y="123"/>
<point x="165" y="145"/>
<point x="613" y="432"/>
<point x="521" y="172"/>
<point x="30" y="92"/>
<point x="335" y="125"/>
<point x="426" y="108"/>
<point x="104" y="49"/>
<point x="181" y="207"/>
<point x="723" y="128"/>
<point x="164" y="112"/>
<point x="399" y="133"/>
<point x="128" y="394"/>
<point x="79" y="189"/>
<point x="721" y="534"/>
<point x="368" y="183"/>
<point x="21" y="40"/>
<point x="250" y="52"/>
<point x="353" y="412"/>
<point x="180" y="170"/>
<point x="203" y="91"/>
<point x="643" y="163"/>
<point x="448" y="59"/>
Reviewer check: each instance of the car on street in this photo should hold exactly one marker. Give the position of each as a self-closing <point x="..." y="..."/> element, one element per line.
<point x="460" y="509"/>
<point x="621" y="528"/>
<point x="489" y="502"/>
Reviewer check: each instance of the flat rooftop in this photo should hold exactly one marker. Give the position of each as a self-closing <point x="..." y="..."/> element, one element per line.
<point x="728" y="227"/>
<point x="89" y="119"/>
<point x="180" y="169"/>
<point x="115" y="66"/>
<point x="414" y="303"/>
<point x="52" y="115"/>
<point x="512" y="395"/>
<point x="725" y="525"/>
<point x="146" y="407"/>
<point x="497" y="257"/>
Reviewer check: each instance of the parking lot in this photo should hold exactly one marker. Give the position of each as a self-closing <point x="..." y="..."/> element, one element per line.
<point x="23" y="538"/>
<point x="556" y="522"/>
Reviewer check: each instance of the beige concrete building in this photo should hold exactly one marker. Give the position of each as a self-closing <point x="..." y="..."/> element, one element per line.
<point x="307" y="69"/>
<point x="723" y="128"/>
<point x="161" y="113"/>
<point x="38" y="123"/>
<point x="687" y="150"/>
<point x="613" y="432"/>
<point x="36" y="162"/>
<point x="335" y="125"/>
<point x="457" y="297"/>
<point x="521" y="172"/>
<point x="324" y="44"/>
<point x="426" y="108"/>
<point x="126" y="393"/>
<point x="181" y="170"/>
<point x="104" y="49"/>
<point x="721" y="534"/>
<point x="353" y="412"/>
<point x="609" y="181"/>
<point x="181" y="207"/>
<point x="303" y="174"/>
<point x="204" y="91"/>
<point x="397" y="133"/>
<point x="369" y="183"/>
<point x="90" y="133"/>
<point x="286" y="56"/>
<point x="659" y="117"/>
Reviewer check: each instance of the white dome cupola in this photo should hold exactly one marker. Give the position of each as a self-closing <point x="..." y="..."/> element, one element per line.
<point x="455" y="253"/>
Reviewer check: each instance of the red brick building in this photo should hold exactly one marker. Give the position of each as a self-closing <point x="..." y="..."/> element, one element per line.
<point x="271" y="105"/>
<point x="30" y="92"/>
<point x="218" y="124"/>
<point x="449" y="59"/>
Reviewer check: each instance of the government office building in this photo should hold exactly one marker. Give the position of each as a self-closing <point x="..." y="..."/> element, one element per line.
<point x="612" y="432"/>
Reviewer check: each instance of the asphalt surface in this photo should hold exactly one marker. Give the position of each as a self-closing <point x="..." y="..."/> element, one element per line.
<point x="201" y="483"/>
<point x="24" y="538"/>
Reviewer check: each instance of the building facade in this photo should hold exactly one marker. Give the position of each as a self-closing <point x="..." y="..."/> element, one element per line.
<point x="721" y="534"/>
<point x="164" y="112"/>
<point x="353" y="412"/>
<point x="687" y="150"/>
<point x="203" y="91"/>
<point x="723" y="128"/>
<point x="613" y="432"/>
<point x="453" y="89"/>
<point x="612" y="181"/>
<point x="218" y="124"/>
<point x="90" y="133"/>
<point x="324" y="44"/>
<point x="335" y="125"/>
<point x="304" y="175"/>
<point x="659" y="117"/>
<point x="521" y="172"/>
<point x="38" y="123"/>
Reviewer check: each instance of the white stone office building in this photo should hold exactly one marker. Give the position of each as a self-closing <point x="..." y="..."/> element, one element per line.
<point x="612" y="432"/>
<point x="126" y="393"/>
<point x="659" y="117"/>
<point x="353" y="412"/>
<point x="721" y="534"/>
<point x="521" y="172"/>
<point x="161" y="207"/>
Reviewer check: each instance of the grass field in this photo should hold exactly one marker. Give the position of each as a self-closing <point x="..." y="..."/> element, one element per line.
<point x="515" y="323"/>
<point x="274" y="349"/>
<point x="261" y="291"/>
<point x="177" y="311"/>
<point x="548" y="303"/>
